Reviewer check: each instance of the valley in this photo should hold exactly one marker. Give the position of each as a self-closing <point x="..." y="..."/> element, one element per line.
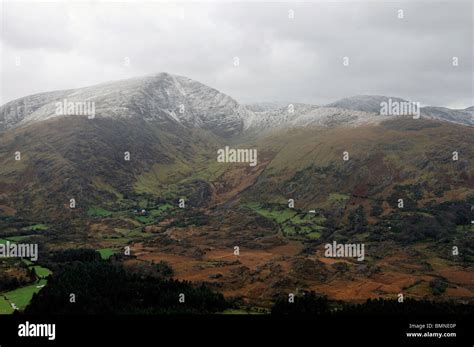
<point x="181" y="211"/>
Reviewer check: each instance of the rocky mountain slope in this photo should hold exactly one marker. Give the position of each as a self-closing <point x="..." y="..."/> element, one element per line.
<point x="181" y="101"/>
<point x="161" y="97"/>
<point x="371" y="103"/>
<point x="173" y="126"/>
<point x="301" y="156"/>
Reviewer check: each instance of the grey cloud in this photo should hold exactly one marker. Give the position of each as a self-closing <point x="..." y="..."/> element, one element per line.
<point x="297" y="60"/>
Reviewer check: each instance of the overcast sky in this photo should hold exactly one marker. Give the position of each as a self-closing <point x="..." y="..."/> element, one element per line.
<point x="300" y="59"/>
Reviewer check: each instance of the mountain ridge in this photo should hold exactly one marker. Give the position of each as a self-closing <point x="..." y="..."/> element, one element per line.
<point x="177" y="99"/>
<point x="162" y="97"/>
<point x="344" y="170"/>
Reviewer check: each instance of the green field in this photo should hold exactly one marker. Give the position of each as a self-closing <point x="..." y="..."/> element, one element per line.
<point x="18" y="238"/>
<point x="14" y="238"/>
<point x="158" y="211"/>
<point x="278" y="216"/>
<point x="314" y="235"/>
<point x="41" y="272"/>
<point x="240" y="311"/>
<point x="106" y="253"/>
<point x="98" y="212"/>
<point x="5" y="307"/>
<point x="145" y="219"/>
<point x="292" y="223"/>
<point x="36" y="227"/>
<point x="21" y="297"/>
<point x="152" y="212"/>
<point x="337" y="198"/>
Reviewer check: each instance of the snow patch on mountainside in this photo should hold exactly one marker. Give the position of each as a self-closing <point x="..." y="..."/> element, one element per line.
<point x="160" y="97"/>
<point x="372" y="103"/>
<point x="303" y="115"/>
<point x="168" y="98"/>
<point x="364" y="103"/>
<point x="465" y="117"/>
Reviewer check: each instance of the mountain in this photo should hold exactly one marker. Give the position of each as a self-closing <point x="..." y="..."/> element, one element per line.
<point x="302" y="151"/>
<point x="183" y="102"/>
<point x="161" y="97"/>
<point x="364" y="103"/>
<point x="449" y="115"/>
<point x="306" y="163"/>
<point x="75" y="157"/>
<point x="302" y="115"/>
<point x="372" y="104"/>
<point x="173" y="126"/>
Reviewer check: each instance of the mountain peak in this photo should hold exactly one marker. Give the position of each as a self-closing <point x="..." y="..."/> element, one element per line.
<point x="156" y="97"/>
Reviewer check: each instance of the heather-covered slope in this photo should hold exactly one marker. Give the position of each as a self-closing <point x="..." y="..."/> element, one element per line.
<point x="173" y="156"/>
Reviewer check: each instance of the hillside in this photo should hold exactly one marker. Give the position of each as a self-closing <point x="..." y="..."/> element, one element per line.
<point x="173" y="159"/>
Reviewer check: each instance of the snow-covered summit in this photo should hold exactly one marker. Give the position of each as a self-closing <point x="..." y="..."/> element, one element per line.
<point x="169" y="98"/>
<point x="162" y="96"/>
